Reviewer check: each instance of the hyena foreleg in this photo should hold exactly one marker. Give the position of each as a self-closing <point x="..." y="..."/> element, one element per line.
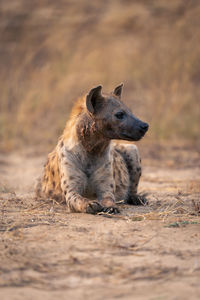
<point x="73" y="182"/>
<point x="132" y="158"/>
<point x="104" y="182"/>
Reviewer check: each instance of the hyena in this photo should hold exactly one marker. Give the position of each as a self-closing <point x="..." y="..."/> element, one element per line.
<point x="87" y="168"/>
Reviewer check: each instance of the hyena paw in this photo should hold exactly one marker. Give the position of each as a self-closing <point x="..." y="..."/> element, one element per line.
<point x="94" y="207"/>
<point x="111" y="210"/>
<point x="109" y="206"/>
<point x="137" y="200"/>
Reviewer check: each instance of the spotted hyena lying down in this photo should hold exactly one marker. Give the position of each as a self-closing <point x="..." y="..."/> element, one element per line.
<point x="89" y="170"/>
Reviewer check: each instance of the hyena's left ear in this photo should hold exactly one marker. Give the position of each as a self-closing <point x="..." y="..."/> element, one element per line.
<point x="118" y="90"/>
<point x="94" y="99"/>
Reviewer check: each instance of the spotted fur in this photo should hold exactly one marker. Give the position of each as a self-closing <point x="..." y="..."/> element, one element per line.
<point x="87" y="168"/>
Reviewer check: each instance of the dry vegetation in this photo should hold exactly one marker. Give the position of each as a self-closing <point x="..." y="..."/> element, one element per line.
<point x="53" y="51"/>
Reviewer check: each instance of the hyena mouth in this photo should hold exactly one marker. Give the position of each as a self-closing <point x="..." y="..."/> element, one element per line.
<point x="127" y="137"/>
<point x="135" y="137"/>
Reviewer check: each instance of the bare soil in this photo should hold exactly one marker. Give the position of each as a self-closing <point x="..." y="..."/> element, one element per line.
<point x="147" y="252"/>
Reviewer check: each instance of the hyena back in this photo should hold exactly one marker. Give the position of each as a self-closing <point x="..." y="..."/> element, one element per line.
<point x="89" y="170"/>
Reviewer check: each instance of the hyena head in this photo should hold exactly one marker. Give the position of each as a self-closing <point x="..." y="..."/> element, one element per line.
<point x="111" y="116"/>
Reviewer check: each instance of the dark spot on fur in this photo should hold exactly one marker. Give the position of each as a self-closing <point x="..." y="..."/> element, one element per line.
<point x="61" y="144"/>
<point x="70" y="177"/>
<point x="65" y="192"/>
<point x="88" y="165"/>
<point x="64" y="182"/>
<point x="52" y="172"/>
<point x="108" y="127"/>
<point x="107" y="165"/>
<point x="138" y="169"/>
<point x="87" y="173"/>
<point x="111" y="185"/>
<point x="117" y="188"/>
<point x="129" y="168"/>
<point x="50" y="192"/>
<point x="54" y="184"/>
<point x="62" y="155"/>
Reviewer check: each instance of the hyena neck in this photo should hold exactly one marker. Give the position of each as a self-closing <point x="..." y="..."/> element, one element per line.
<point x="91" y="137"/>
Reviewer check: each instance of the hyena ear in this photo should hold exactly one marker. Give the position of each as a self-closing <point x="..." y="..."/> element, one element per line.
<point x="94" y="99"/>
<point x="118" y="90"/>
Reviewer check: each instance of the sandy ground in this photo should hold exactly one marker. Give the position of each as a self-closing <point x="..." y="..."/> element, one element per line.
<point x="150" y="252"/>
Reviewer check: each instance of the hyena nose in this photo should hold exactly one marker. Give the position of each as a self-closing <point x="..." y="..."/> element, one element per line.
<point x="144" y="126"/>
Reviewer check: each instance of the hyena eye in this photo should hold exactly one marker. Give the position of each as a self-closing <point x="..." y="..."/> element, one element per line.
<point x="120" y="115"/>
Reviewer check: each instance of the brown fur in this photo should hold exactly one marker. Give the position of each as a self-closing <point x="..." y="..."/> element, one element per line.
<point x="86" y="168"/>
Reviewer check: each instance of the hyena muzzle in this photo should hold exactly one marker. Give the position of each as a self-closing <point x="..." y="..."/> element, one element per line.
<point x="87" y="168"/>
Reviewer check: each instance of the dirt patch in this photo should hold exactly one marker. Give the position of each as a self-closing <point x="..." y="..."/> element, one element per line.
<point x="148" y="252"/>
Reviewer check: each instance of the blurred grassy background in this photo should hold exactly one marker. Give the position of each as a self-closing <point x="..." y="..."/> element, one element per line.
<point x="51" y="52"/>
